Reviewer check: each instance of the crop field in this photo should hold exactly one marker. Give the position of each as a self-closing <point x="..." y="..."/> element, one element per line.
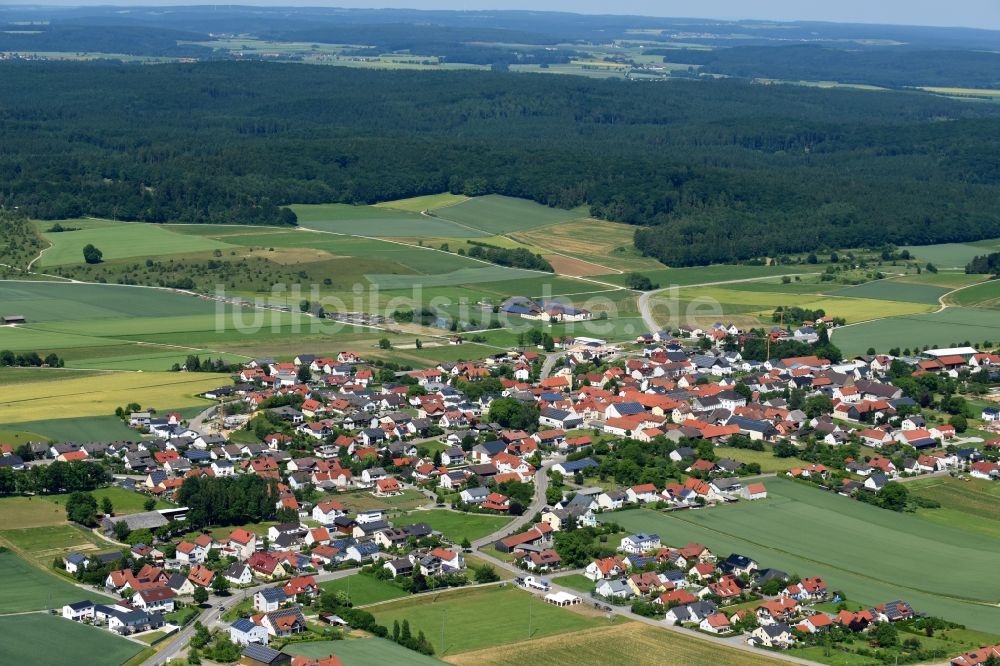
<point x="364" y="589"/>
<point x="984" y="295"/>
<point x="953" y="255"/>
<point x="632" y="643"/>
<point x="480" y="273"/>
<point x="606" y="243"/>
<point x="124" y="501"/>
<point x="361" y="651"/>
<point x="683" y="277"/>
<point x="45" y="640"/>
<point x="481" y="618"/>
<point x="854" y="546"/>
<point x="121" y="241"/>
<point x="92" y="397"/>
<point x="950" y="279"/>
<point x="86" y="429"/>
<point x="63" y="301"/>
<point x="736" y="301"/>
<point x="495" y="214"/>
<point x="890" y="290"/>
<point x="935" y="329"/>
<point x="454" y="525"/>
<point x="43" y="543"/>
<point x="426" y="202"/>
<point x="971" y="504"/>
<point x="379" y="221"/>
<point x="27" y="588"/>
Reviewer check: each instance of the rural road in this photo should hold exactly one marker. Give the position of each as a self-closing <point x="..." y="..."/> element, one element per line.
<point x="211" y="616"/>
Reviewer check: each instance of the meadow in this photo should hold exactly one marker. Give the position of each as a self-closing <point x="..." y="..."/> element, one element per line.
<point x="124" y="240"/>
<point x="496" y="214"/>
<point x="66" y="643"/>
<point x="364" y="589"/>
<point x="28" y="588"/>
<point x="854" y="546"/>
<point x="361" y="651"/>
<point x="422" y="203"/>
<point x="633" y="643"/>
<point x="684" y="277"/>
<point x="766" y="459"/>
<point x="607" y="244"/>
<point x="18" y="512"/>
<point x="936" y="329"/>
<point x="480" y="618"/>
<point x="86" y="396"/>
<point x="123" y="501"/>
<point x="971" y="504"/>
<point x="455" y="525"/>
<point x="86" y="429"/>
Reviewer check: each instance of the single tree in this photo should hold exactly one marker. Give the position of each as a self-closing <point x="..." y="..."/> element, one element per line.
<point x="149" y="504"/>
<point x="91" y="254"/>
<point x="200" y="595"/>
<point x="107" y="508"/>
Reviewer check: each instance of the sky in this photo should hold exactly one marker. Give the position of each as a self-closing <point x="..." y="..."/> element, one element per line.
<point x="966" y="13"/>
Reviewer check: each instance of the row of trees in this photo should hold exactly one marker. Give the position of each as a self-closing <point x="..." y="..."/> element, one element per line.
<point x="59" y="477"/>
<point x="228" y="500"/>
<point x="9" y="359"/>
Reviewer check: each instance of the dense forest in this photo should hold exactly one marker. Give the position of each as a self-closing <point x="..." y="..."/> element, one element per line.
<point x="891" y="67"/>
<point x="708" y="171"/>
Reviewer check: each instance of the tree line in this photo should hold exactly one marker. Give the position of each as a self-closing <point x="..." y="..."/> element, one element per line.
<point x="708" y="171"/>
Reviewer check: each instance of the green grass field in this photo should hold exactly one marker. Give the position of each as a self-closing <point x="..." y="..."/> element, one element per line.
<point x="577" y="582"/>
<point x="953" y="255"/>
<point x="361" y="651"/>
<point x="986" y="294"/>
<point x="365" y="501"/>
<point x="22" y="512"/>
<point x="87" y="428"/>
<point x="481" y="618"/>
<point x="27" y="588"/>
<point x="938" y="329"/>
<point x="364" y="589"/>
<point x="708" y="274"/>
<point x="44" y="640"/>
<point x="379" y="221"/>
<point x="972" y="504"/>
<point x="495" y="214"/>
<point x="454" y="525"/>
<point x="889" y="290"/>
<point x="854" y="546"/>
<point x="766" y="459"/>
<point x="121" y="241"/>
<point x="123" y="501"/>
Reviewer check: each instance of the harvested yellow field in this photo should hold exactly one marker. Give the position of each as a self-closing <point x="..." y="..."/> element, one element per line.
<point x="99" y="395"/>
<point x="970" y="92"/>
<point x="606" y="243"/>
<point x="633" y="643"/>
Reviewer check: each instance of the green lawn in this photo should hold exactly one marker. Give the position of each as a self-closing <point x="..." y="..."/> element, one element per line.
<point x="45" y="640"/>
<point x="497" y="214"/>
<point x="766" y="459"/>
<point x="455" y="525"/>
<point x="123" y="501"/>
<point x="577" y="582"/>
<point x="364" y="589"/>
<point x="854" y="546"/>
<point x="480" y="618"/>
<point x="361" y="651"/>
<point x="27" y="588"/>
<point x="121" y="241"/>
